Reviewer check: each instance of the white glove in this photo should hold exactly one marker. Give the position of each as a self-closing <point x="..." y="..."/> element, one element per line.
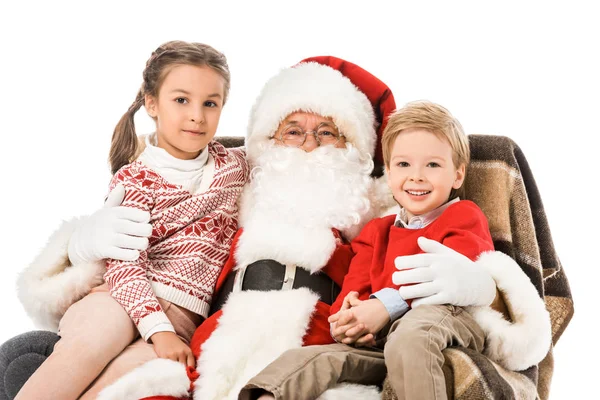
<point x="443" y="276"/>
<point x="111" y="232"/>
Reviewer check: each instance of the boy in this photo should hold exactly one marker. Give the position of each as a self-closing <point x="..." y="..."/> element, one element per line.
<point x="426" y="154"/>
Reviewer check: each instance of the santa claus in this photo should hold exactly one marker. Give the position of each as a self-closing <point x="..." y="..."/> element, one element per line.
<point x="302" y="205"/>
<point x="312" y="138"/>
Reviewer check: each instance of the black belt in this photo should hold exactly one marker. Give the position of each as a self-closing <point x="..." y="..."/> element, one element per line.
<point x="266" y="275"/>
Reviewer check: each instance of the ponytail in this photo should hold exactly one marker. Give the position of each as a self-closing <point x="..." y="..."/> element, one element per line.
<point x="124" y="144"/>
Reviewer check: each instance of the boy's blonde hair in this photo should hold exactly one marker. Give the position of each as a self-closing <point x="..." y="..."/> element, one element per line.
<point x="433" y="118"/>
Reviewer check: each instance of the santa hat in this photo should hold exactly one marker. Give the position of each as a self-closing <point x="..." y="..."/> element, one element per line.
<point x="357" y="102"/>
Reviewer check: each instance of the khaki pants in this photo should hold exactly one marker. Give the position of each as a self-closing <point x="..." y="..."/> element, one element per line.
<point x="412" y="358"/>
<point x="99" y="344"/>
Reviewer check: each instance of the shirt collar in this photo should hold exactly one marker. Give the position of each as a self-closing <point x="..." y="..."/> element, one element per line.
<point x="421" y="221"/>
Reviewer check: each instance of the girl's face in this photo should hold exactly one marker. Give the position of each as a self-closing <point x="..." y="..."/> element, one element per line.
<point x="187" y="109"/>
<point x="421" y="173"/>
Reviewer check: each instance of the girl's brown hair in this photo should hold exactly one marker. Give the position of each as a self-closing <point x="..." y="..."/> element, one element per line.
<point x="124" y="142"/>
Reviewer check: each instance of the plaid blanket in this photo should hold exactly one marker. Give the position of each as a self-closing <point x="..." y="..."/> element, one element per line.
<point x="500" y="182"/>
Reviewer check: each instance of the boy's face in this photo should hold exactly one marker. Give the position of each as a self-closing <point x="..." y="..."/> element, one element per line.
<point x="421" y="172"/>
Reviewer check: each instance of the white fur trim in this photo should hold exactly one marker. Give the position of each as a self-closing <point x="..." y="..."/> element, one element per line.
<point x="315" y="88"/>
<point x="49" y="285"/>
<point x="525" y="341"/>
<point x="255" y="328"/>
<point x="351" y="391"/>
<point x="263" y="239"/>
<point x="154" y="378"/>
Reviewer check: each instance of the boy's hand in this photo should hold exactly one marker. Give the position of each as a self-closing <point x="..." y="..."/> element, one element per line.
<point x="343" y="323"/>
<point x="359" y="324"/>
<point x="344" y="320"/>
<point x="169" y="345"/>
<point x="350" y="297"/>
<point x="370" y="313"/>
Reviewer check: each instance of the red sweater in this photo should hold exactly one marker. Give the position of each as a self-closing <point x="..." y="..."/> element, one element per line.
<point x="191" y="236"/>
<point x="462" y="227"/>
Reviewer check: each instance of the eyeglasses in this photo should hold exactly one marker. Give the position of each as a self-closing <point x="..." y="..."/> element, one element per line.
<point x="294" y="136"/>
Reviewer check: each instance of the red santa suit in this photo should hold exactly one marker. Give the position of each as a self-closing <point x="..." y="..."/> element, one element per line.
<point x="255" y="327"/>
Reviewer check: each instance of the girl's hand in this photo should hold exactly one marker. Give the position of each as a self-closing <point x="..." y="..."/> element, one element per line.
<point x="169" y="345"/>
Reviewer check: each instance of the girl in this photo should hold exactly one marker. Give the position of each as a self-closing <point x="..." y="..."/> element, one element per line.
<point x="189" y="184"/>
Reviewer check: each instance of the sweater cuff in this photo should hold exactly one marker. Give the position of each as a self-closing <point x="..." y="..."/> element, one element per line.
<point x="395" y="305"/>
<point x="162" y="327"/>
<point x="150" y="321"/>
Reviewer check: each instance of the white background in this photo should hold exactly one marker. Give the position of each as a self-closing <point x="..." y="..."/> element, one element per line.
<point x="527" y="71"/>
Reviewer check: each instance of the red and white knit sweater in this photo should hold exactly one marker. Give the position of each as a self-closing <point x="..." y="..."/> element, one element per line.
<point x="191" y="237"/>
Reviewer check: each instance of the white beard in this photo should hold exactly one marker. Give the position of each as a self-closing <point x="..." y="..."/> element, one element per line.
<point x="294" y="199"/>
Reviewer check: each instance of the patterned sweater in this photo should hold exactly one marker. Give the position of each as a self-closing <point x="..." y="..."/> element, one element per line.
<point x="190" y="241"/>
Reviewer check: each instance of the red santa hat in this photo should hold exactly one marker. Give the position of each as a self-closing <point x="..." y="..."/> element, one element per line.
<point x="356" y="101"/>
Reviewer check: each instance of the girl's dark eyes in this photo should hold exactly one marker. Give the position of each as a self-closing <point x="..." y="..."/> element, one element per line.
<point x="433" y="165"/>
<point x="209" y="103"/>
